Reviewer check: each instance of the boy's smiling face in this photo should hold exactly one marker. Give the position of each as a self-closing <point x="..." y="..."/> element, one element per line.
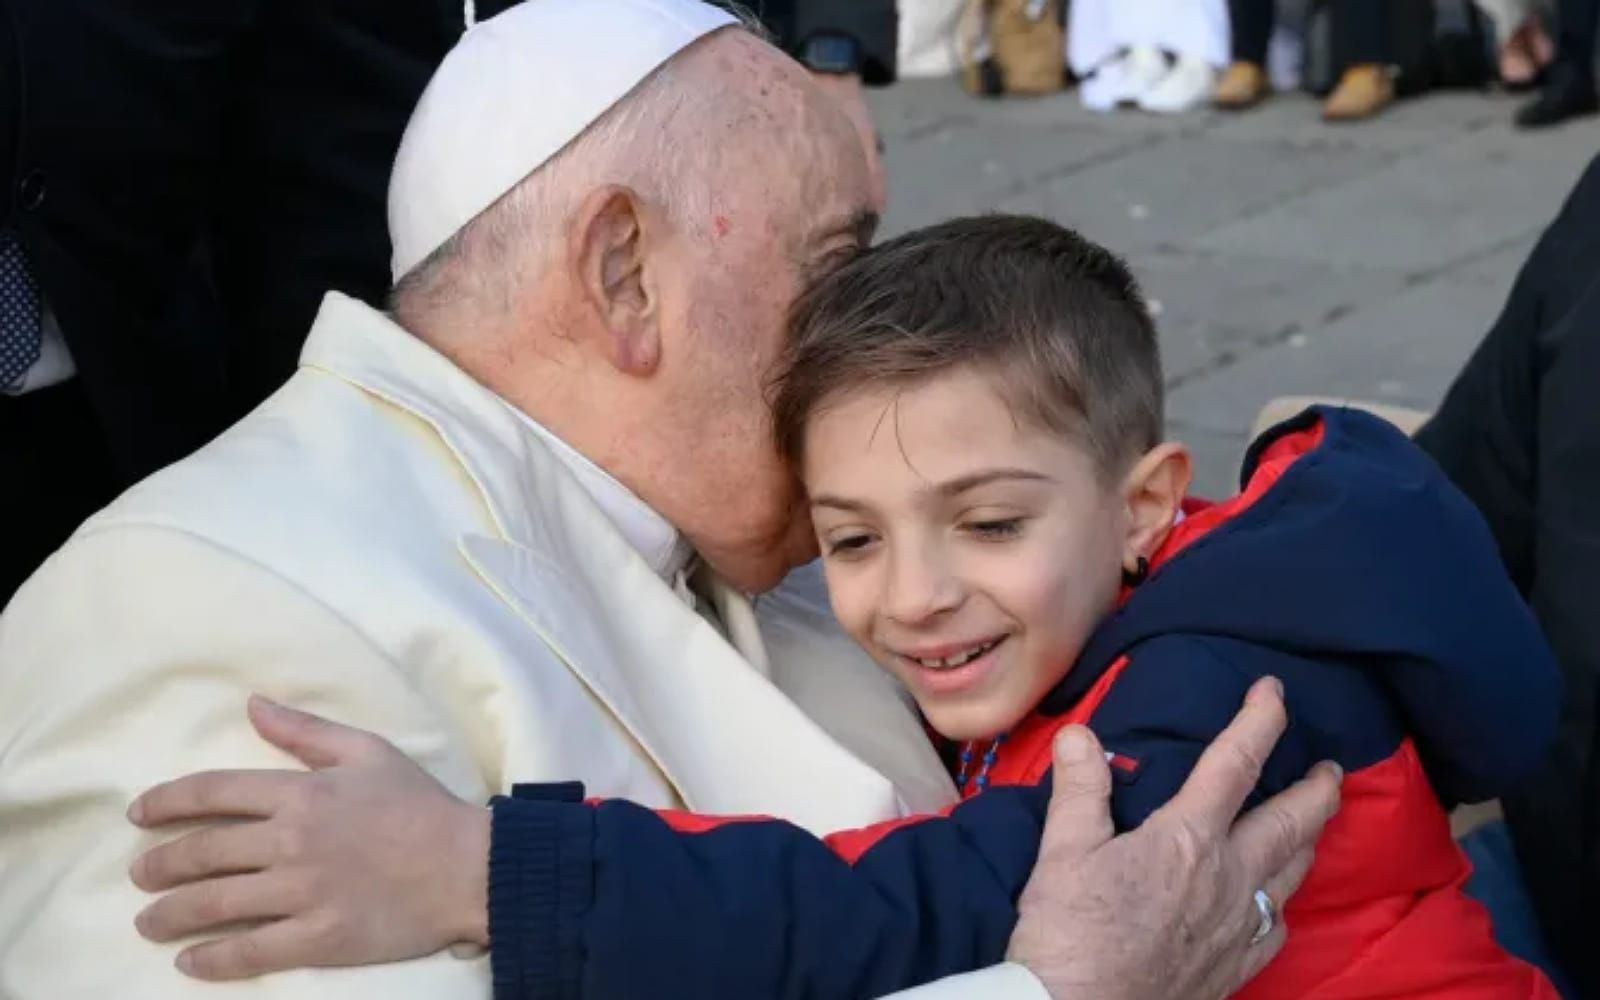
<point x="969" y="552"/>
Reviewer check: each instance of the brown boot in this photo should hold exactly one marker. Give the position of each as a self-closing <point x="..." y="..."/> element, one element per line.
<point x="1244" y="85"/>
<point x="1363" y="91"/>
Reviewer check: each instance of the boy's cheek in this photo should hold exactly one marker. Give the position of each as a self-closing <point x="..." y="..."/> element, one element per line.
<point x="851" y="602"/>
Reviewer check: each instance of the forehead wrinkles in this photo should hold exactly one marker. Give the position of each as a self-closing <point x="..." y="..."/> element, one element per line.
<point x="819" y="154"/>
<point x="774" y="115"/>
<point x="758" y="86"/>
<point x="757" y="139"/>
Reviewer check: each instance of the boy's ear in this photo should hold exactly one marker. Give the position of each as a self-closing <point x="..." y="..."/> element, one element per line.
<point x="1154" y="491"/>
<point x="609" y="260"/>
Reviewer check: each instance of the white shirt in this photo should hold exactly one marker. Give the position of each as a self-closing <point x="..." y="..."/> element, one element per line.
<point x="650" y="534"/>
<point x="54" y="364"/>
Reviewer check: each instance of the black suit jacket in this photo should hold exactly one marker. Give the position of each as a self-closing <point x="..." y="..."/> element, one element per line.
<point x="1519" y="432"/>
<point x="189" y="177"/>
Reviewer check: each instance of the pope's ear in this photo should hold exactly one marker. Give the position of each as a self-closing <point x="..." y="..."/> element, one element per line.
<point x="609" y="262"/>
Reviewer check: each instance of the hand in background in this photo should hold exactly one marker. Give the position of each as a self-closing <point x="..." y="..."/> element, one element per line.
<point x="1167" y="911"/>
<point x="364" y="859"/>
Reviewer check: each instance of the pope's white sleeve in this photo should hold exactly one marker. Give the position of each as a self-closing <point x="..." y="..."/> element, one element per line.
<point x="1009" y="981"/>
<point x="125" y="662"/>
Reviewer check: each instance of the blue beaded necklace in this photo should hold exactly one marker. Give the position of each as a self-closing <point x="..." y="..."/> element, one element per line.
<point x="989" y="757"/>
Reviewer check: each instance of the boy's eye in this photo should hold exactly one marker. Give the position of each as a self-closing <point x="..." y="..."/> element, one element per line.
<point x="846" y="545"/>
<point x="1008" y="527"/>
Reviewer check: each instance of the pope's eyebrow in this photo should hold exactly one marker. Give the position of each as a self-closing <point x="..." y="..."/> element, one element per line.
<point x="861" y="224"/>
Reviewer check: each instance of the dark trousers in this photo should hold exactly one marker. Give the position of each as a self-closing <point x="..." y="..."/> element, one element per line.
<point x="58" y="471"/>
<point x="1358" y="29"/>
<point x="1578" y="27"/>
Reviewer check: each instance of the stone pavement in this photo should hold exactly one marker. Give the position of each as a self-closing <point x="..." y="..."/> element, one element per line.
<point x="1282" y="256"/>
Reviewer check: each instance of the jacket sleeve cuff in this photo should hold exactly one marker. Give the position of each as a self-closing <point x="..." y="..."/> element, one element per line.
<point x="541" y="884"/>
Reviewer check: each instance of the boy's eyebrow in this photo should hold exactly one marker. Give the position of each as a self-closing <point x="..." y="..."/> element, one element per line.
<point x="838" y="503"/>
<point x="950" y="488"/>
<point x="983" y="477"/>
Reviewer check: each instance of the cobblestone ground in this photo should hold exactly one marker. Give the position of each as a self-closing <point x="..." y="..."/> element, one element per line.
<point x="1283" y="256"/>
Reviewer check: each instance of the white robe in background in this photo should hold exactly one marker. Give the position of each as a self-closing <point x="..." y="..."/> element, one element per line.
<point x="928" y="37"/>
<point x="1098" y="29"/>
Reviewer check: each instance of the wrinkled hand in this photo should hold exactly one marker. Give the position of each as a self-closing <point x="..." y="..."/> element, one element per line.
<point x="365" y="859"/>
<point x="847" y="91"/>
<point x="1166" y="911"/>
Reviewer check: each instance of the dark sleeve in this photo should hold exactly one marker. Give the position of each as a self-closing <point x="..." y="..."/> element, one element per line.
<point x="1552" y="543"/>
<point x="1568" y="536"/>
<point x="613" y="900"/>
<point x="1174" y="697"/>
<point x="1484" y="433"/>
<point x="1553" y="814"/>
<point x="1179" y="692"/>
<point x="872" y="23"/>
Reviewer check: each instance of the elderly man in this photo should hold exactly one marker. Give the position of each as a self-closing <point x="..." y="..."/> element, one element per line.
<point x="512" y="527"/>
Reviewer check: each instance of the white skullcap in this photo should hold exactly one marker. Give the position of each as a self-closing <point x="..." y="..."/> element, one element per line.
<point x="513" y="92"/>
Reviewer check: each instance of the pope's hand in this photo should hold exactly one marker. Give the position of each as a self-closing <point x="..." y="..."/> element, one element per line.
<point x="1167" y="911"/>
<point x="364" y="859"/>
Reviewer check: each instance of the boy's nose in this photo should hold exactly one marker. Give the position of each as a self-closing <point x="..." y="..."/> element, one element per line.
<point x="920" y="588"/>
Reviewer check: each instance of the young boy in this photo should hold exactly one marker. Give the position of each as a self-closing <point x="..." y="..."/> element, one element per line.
<point x="976" y="410"/>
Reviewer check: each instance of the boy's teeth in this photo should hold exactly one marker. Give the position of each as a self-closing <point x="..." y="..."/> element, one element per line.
<point x="960" y="659"/>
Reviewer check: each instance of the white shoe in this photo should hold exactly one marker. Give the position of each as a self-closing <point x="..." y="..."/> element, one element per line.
<point x="1144" y="69"/>
<point x="1123" y="80"/>
<point x="1189" y="84"/>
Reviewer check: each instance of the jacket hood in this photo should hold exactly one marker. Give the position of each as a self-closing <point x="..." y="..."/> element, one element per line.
<point x="1347" y="543"/>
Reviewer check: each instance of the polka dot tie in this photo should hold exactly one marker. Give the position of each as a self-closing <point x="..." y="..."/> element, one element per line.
<point x="20" y="332"/>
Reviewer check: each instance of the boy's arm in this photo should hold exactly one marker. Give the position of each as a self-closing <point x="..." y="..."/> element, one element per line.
<point x="1170" y="702"/>
<point x="611" y="899"/>
<point x="920" y="892"/>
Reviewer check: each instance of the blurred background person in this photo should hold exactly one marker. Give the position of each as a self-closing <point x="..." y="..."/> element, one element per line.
<point x="1522" y="43"/>
<point x="1375" y="48"/>
<point x="1569" y="84"/>
<point x="1359" y="40"/>
<point x="1161" y="56"/>
<point x="182" y="181"/>
<point x="1520" y="435"/>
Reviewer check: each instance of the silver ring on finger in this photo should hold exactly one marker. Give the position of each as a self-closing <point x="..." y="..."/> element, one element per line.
<point x="1268" y="911"/>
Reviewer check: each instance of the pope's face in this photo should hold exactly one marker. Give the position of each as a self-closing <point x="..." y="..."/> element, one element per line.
<point x="796" y="198"/>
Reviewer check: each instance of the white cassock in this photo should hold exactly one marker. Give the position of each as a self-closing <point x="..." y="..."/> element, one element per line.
<point x="387" y="543"/>
<point x="1098" y="29"/>
<point x="927" y="43"/>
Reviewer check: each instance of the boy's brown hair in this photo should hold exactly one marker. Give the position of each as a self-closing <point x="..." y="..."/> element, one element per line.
<point x="1057" y="320"/>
